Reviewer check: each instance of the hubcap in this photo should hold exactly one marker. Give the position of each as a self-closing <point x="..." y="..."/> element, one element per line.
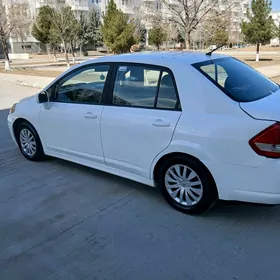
<point x="183" y="185"/>
<point x="27" y="142"/>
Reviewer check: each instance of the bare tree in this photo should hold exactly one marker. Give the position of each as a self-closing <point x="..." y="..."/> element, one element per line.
<point x="13" y="23"/>
<point x="22" y="22"/>
<point x="215" y="29"/>
<point x="7" y="24"/>
<point x="188" y="14"/>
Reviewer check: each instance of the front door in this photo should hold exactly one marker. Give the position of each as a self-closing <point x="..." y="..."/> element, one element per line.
<point x="71" y="121"/>
<point x="141" y="120"/>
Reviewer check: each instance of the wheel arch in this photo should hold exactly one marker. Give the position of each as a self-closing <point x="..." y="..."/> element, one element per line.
<point x="16" y="124"/>
<point x="174" y="154"/>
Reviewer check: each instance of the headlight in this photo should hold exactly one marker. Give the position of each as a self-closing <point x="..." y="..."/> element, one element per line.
<point x="13" y="108"/>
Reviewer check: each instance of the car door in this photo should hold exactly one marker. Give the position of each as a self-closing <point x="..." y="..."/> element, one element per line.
<point x="70" y="122"/>
<point x="141" y="118"/>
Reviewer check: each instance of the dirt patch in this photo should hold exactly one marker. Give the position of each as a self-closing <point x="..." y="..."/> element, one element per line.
<point x="265" y="60"/>
<point x="276" y="79"/>
<point x="33" y="72"/>
<point x="253" y="48"/>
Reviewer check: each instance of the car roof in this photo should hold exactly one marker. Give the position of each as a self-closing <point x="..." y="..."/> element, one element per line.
<point x="162" y="58"/>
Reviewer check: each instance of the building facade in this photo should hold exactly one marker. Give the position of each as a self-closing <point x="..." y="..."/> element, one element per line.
<point x="236" y="12"/>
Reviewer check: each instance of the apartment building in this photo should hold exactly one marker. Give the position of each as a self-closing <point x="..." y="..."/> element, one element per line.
<point x="23" y="41"/>
<point x="236" y="11"/>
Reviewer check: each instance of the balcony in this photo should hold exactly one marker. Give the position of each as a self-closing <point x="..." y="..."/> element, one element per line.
<point x="128" y="9"/>
<point x="79" y="8"/>
<point x="40" y="4"/>
<point x="173" y="2"/>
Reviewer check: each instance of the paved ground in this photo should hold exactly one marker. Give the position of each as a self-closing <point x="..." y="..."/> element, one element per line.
<point x="59" y="220"/>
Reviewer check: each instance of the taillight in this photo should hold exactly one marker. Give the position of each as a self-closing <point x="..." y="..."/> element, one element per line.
<point x="267" y="143"/>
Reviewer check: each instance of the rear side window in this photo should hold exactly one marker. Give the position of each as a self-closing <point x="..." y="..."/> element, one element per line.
<point x="236" y="79"/>
<point x="145" y="87"/>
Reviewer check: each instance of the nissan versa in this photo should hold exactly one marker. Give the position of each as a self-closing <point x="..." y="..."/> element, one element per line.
<point x="200" y="127"/>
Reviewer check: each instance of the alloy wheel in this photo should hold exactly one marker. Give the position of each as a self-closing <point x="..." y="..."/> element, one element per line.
<point x="27" y="142"/>
<point x="183" y="185"/>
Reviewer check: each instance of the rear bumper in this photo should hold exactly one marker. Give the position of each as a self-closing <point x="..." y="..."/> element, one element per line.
<point x="256" y="197"/>
<point x="240" y="183"/>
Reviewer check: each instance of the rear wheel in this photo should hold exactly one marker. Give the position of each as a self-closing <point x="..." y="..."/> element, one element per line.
<point x="187" y="185"/>
<point x="29" y="142"/>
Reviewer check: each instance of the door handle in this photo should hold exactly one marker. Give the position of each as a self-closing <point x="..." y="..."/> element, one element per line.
<point x="89" y="115"/>
<point x="161" y="123"/>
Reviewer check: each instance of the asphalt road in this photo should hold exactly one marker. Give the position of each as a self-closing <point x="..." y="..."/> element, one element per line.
<point x="59" y="220"/>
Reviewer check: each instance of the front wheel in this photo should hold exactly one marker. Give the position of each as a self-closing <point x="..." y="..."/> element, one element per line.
<point x="187" y="185"/>
<point x="29" y="142"/>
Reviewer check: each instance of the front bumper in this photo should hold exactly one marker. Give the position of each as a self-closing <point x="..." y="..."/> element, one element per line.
<point x="10" y="121"/>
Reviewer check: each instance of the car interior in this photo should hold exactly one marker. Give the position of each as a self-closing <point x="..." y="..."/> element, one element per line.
<point x="132" y="87"/>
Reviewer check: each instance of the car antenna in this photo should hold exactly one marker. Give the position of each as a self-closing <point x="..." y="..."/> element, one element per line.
<point x="210" y="53"/>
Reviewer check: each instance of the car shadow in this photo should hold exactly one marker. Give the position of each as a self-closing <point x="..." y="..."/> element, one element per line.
<point x="242" y="210"/>
<point x="261" y="59"/>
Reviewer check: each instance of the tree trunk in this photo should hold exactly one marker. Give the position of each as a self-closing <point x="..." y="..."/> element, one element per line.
<point x="258" y="52"/>
<point x="23" y="45"/>
<point x="81" y="50"/>
<point x="6" y="54"/>
<point x="48" y="50"/>
<point x="54" y="54"/>
<point x="73" y="53"/>
<point x="188" y="40"/>
<point x="66" y="55"/>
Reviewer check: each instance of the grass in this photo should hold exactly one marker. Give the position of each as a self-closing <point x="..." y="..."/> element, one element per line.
<point x="265" y="60"/>
<point x="253" y="49"/>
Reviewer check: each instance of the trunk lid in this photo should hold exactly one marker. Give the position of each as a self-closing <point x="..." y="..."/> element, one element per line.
<point x="267" y="108"/>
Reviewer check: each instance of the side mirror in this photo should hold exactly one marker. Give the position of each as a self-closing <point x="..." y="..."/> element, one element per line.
<point x="43" y="97"/>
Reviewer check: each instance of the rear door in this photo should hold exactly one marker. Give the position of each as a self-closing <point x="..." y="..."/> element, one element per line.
<point x="140" y="121"/>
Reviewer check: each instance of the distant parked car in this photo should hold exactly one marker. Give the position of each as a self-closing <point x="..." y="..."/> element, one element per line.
<point x="102" y="49"/>
<point x="198" y="127"/>
<point x="212" y="47"/>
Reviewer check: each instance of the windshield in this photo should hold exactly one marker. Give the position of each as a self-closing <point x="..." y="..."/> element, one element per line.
<point x="236" y="79"/>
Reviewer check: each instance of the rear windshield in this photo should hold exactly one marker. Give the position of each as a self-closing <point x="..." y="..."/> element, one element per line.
<point x="236" y="79"/>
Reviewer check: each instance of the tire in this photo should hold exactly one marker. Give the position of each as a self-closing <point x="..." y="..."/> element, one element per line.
<point x="29" y="142"/>
<point x="194" y="192"/>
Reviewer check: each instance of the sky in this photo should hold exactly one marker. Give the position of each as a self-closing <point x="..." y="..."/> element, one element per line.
<point x="276" y="5"/>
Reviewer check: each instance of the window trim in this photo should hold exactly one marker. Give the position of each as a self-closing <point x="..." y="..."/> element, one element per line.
<point x="54" y="85"/>
<point x="109" y="101"/>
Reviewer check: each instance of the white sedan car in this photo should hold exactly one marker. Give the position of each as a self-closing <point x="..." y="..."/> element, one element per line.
<point x="199" y="127"/>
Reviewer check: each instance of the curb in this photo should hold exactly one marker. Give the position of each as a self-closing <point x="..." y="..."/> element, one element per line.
<point x="33" y="85"/>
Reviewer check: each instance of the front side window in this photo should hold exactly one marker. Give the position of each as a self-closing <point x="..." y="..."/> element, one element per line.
<point x="144" y="86"/>
<point x="236" y="79"/>
<point x="83" y="86"/>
